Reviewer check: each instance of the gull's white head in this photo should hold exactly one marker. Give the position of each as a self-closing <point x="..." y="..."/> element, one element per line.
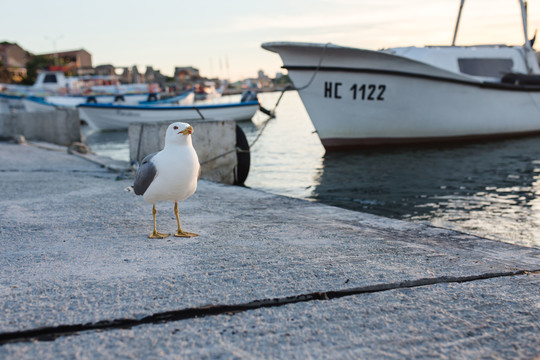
<point x="178" y="133"/>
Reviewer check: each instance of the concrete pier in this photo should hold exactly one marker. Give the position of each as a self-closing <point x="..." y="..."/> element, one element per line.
<point x="62" y="127"/>
<point x="268" y="277"/>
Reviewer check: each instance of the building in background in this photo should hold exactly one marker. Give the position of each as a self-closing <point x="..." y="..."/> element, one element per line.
<point x="74" y="62"/>
<point x="136" y="76"/>
<point x="105" y="70"/>
<point x="263" y="81"/>
<point x="13" y="59"/>
<point x="17" y="64"/>
<point x="154" y="76"/>
<point x="186" y="76"/>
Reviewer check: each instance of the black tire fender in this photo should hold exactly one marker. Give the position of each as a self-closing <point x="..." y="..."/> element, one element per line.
<point x="243" y="157"/>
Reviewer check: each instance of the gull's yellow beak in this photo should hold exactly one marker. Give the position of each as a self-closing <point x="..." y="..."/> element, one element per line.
<point x="187" y="131"/>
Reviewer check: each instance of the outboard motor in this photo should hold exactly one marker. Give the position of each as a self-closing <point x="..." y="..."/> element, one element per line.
<point x="249" y="95"/>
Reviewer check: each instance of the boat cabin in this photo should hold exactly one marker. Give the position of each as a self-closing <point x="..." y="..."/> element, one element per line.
<point x="486" y="63"/>
<point x="56" y="80"/>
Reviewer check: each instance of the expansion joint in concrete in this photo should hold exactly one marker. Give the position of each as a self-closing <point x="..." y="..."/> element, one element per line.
<point x="51" y="333"/>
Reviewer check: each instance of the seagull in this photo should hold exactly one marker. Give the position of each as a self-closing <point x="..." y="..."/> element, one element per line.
<point x="170" y="174"/>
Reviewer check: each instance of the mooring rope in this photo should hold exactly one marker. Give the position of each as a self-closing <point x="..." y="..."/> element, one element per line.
<point x="316" y="70"/>
<point x="292" y="87"/>
<point x="199" y="112"/>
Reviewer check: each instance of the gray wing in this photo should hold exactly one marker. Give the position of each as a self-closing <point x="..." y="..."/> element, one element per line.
<point x="145" y="175"/>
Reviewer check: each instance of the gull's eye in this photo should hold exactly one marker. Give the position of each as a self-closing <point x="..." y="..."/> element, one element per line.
<point x="175" y="128"/>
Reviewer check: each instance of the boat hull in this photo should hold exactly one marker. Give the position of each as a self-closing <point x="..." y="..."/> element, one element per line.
<point x="365" y="98"/>
<point x="11" y="103"/>
<point x="53" y="102"/>
<point x="73" y="101"/>
<point x="118" y="117"/>
<point x="38" y="105"/>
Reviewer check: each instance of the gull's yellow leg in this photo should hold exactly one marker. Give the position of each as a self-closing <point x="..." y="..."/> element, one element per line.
<point x="180" y="232"/>
<point x="155" y="234"/>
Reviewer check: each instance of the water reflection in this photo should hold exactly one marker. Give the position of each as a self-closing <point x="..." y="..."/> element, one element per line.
<point x="114" y="144"/>
<point x="288" y="155"/>
<point x="490" y="189"/>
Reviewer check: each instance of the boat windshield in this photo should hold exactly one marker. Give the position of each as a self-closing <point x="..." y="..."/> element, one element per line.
<point x="485" y="66"/>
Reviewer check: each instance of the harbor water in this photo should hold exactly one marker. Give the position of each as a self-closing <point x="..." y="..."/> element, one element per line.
<point x="490" y="189"/>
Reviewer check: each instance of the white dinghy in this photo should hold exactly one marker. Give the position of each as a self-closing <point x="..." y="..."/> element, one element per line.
<point x="118" y="117"/>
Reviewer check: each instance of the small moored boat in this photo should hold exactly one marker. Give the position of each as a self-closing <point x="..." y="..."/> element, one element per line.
<point x="11" y="103"/>
<point x="186" y="98"/>
<point x="53" y="102"/>
<point x="118" y="117"/>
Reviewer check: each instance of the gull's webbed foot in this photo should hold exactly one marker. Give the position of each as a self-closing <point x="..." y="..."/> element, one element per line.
<point x="185" y="234"/>
<point x="158" y="235"/>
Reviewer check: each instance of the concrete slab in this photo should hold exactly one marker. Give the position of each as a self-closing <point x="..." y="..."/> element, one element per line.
<point x="443" y="321"/>
<point x="35" y="158"/>
<point x="75" y="251"/>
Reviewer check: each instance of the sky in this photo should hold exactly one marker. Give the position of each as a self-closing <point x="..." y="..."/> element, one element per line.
<point x="223" y="38"/>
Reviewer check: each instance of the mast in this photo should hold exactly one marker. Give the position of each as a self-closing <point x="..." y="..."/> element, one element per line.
<point x="523" y="6"/>
<point x="527" y="48"/>
<point x="457" y="22"/>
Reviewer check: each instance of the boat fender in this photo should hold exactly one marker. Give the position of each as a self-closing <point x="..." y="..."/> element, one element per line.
<point x="152" y="97"/>
<point x="119" y="98"/>
<point x="243" y="157"/>
<point x="91" y="100"/>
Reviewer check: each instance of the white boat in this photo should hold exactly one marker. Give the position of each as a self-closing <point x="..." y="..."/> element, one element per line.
<point x="186" y="98"/>
<point x="52" y="102"/>
<point x="127" y="98"/>
<point x="118" y="117"/>
<point x="10" y="103"/>
<point x="207" y="91"/>
<point x="357" y="97"/>
<point x="38" y="104"/>
<point x="53" y="89"/>
<point x="56" y="83"/>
